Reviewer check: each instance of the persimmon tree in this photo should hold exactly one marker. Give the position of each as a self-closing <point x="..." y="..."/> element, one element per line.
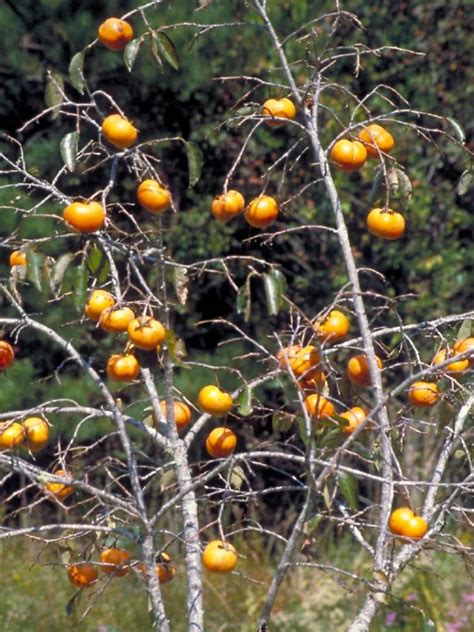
<point x="365" y="421"/>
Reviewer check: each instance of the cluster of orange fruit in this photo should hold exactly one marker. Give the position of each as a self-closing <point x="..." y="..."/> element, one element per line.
<point x="117" y="562"/>
<point x="32" y="433"/>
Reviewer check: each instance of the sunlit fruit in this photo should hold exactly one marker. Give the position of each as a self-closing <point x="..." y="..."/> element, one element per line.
<point x="403" y="521"/>
<point x="385" y="223"/>
<point x="123" y="367"/>
<point x="59" y="490"/>
<point x="119" y="131"/>
<point x="84" y="217"/>
<point x="354" y="417"/>
<point x="154" y="197"/>
<point x="116" y="320"/>
<point x="17" y="258"/>
<point x="36" y="432"/>
<point x="226" y="206"/>
<point x="98" y="301"/>
<point x="214" y="401"/>
<point x="376" y="139"/>
<point x="221" y="443"/>
<point x="423" y="394"/>
<point x="349" y="155"/>
<point x="11" y="435"/>
<point x="82" y="575"/>
<point x="146" y="332"/>
<point x="165" y="569"/>
<point x="316" y="380"/>
<point x="219" y="557"/>
<point x="318" y="406"/>
<point x="358" y="369"/>
<point x="286" y="355"/>
<point x="459" y="366"/>
<point x="274" y="109"/>
<point x="7" y="355"/>
<point x="334" y="327"/>
<point x="115" y="562"/>
<point x="304" y="361"/>
<point x="182" y="413"/>
<point x="262" y="212"/>
<point x="115" y="33"/>
<point x="463" y="346"/>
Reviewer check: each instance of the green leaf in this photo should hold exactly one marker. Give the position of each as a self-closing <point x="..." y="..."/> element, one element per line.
<point x="180" y="281"/>
<point x="401" y="188"/>
<point x="244" y="299"/>
<point x="59" y="270"/>
<point x="69" y="145"/>
<point x="80" y="279"/>
<point x="195" y="161"/>
<point x="54" y="95"/>
<point x="461" y="136"/>
<point x="167" y="49"/>
<point x="237" y="478"/>
<point x="176" y="348"/>
<point x="34" y="269"/>
<point x="130" y="53"/>
<point x="275" y="286"/>
<point x="327" y="498"/>
<point x="282" y="421"/>
<point x="98" y="264"/>
<point x="376" y="186"/>
<point x="244" y="402"/>
<point x="465" y="182"/>
<point x="350" y="489"/>
<point x="465" y="330"/>
<point x="76" y="72"/>
<point x="302" y="430"/>
<point x="154" y="52"/>
<point x="70" y="606"/>
<point x="330" y="438"/>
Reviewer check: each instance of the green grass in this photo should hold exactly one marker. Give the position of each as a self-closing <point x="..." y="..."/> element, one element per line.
<point x="34" y="595"/>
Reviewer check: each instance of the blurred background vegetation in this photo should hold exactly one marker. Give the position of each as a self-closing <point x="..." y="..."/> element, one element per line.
<point x="431" y="266"/>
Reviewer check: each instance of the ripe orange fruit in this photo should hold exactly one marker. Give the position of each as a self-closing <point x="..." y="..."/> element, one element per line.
<point x="355" y="416"/>
<point x="334" y="327"/>
<point x="403" y="521"/>
<point x="115" y="34"/>
<point x="7" y="355"/>
<point x="114" y="562"/>
<point x="423" y="394"/>
<point x="349" y="155"/>
<point x="304" y="360"/>
<point x="165" y="569"/>
<point x="36" y="432"/>
<point x="146" y="332"/>
<point x="399" y="519"/>
<point x="153" y="196"/>
<point x="82" y="575"/>
<point x="358" y="369"/>
<point x="281" y="108"/>
<point x="225" y="207"/>
<point x="221" y="442"/>
<point x="376" y="138"/>
<point x="455" y="367"/>
<point x="98" y="301"/>
<point x="385" y="223"/>
<point x="219" y="557"/>
<point x="262" y="212"/>
<point x="214" y="401"/>
<point x="17" y="258"/>
<point x="119" y="131"/>
<point x="59" y="490"/>
<point x="84" y="217"/>
<point x="11" y="435"/>
<point x="318" y="406"/>
<point x="467" y="344"/>
<point x="286" y="355"/>
<point x="182" y="413"/>
<point x="116" y="320"/>
<point x="124" y="368"/>
<point x="314" y="382"/>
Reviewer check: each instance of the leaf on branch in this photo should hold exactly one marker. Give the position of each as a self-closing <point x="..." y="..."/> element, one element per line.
<point x="465" y="330"/>
<point x="327" y="498"/>
<point x="98" y="264"/>
<point x="376" y="186"/>
<point x="155" y="55"/>
<point x="244" y="299"/>
<point x="400" y="187"/>
<point x="180" y="282"/>
<point x="80" y="279"/>
<point x="237" y="478"/>
<point x="195" y="161"/>
<point x="54" y="95"/>
<point x="275" y="286"/>
<point x="282" y="421"/>
<point x="167" y="49"/>
<point x="69" y="146"/>
<point x="69" y="608"/>
<point x="176" y="348"/>
<point x="130" y="53"/>
<point x="34" y="268"/>
<point x="465" y="182"/>
<point x="350" y="489"/>
<point x="76" y="72"/>
<point x="459" y="132"/>
<point x="244" y="402"/>
<point x="302" y="430"/>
